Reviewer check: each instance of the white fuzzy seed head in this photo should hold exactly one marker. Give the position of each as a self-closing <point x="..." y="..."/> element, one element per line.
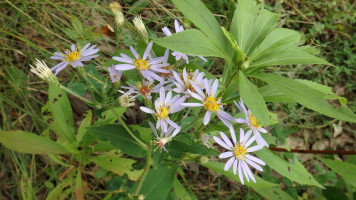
<point x="42" y="71"/>
<point x="140" y="27"/>
<point x="119" y="19"/>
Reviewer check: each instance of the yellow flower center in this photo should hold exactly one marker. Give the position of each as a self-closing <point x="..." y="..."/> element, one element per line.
<point x="253" y="122"/>
<point x="211" y="104"/>
<point x="141" y="64"/>
<point x="72" y="56"/>
<point x="144" y="89"/>
<point x="239" y="151"/>
<point x="162" y="112"/>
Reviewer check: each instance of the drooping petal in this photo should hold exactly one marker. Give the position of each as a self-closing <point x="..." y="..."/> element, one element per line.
<point x="153" y="128"/>
<point x="249" y="171"/>
<point x="240" y="173"/>
<point x="229" y="163"/>
<point x="221" y="143"/>
<point x="207" y="117"/>
<point x="255" y="159"/>
<point x="254" y="165"/>
<point x="234" y="167"/>
<point x="226" y="139"/>
<point x="147" y="110"/>
<point x="254" y="148"/>
<point x="226" y="154"/>
<point x="134" y="52"/>
<point x="147" y="51"/>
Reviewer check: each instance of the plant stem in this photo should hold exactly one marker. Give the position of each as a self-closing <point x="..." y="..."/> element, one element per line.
<point x="128" y="130"/>
<point x="82" y="73"/>
<point x="145" y="170"/>
<point x="222" y="93"/>
<point x="76" y="95"/>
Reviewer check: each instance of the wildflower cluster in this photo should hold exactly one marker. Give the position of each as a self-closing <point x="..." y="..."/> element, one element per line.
<point x="176" y="88"/>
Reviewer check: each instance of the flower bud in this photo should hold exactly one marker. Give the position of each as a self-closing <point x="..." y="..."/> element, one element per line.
<point x="126" y="100"/>
<point x="141" y="29"/>
<point x="119" y="19"/>
<point x="42" y="71"/>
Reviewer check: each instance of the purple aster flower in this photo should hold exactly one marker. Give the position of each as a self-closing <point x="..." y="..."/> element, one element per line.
<point x="75" y="57"/>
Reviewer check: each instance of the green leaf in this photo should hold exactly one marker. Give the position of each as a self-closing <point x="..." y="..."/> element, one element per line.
<point x="62" y="112"/>
<point x="307" y="96"/>
<point x="265" y="22"/>
<point x="273" y="193"/>
<point x="109" y="116"/>
<point x="144" y="132"/>
<point x="79" y="193"/>
<point x="78" y="87"/>
<point x="253" y="99"/>
<point x="180" y="191"/>
<point x="182" y="144"/>
<point x="25" y="142"/>
<point x="334" y="193"/>
<point x="242" y="22"/>
<point x="219" y="167"/>
<point x="264" y="188"/>
<point x="192" y="42"/>
<point x="118" y="138"/>
<point x="118" y="165"/>
<point x="83" y="125"/>
<point x="287" y="55"/>
<point x="201" y="16"/>
<point x="278" y="37"/>
<point x="329" y="94"/>
<point x="295" y="172"/>
<point x="271" y="94"/>
<point x="344" y="169"/>
<point x="158" y="183"/>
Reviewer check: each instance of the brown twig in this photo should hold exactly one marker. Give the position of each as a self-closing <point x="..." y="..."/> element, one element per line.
<point x="314" y="151"/>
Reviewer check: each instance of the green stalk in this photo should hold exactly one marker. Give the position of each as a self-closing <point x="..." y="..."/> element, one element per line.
<point x="82" y="73"/>
<point x="145" y="170"/>
<point x="76" y="95"/>
<point x="143" y="145"/>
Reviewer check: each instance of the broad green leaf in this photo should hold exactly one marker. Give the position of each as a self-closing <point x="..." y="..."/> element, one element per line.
<point x="264" y="188"/>
<point x="182" y="144"/>
<point x="118" y="138"/>
<point x="344" y="169"/>
<point x="201" y="16"/>
<point x="180" y="191"/>
<point x="83" y="125"/>
<point x="110" y="116"/>
<point x="307" y="96"/>
<point x="278" y="37"/>
<point x="273" y="193"/>
<point x="62" y="112"/>
<point x="295" y="172"/>
<point x="329" y="94"/>
<point x="25" y="142"/>
<point x="219" y="167"/>
<point x="158" y="183"/>
<point x="264" y="24"/>
<point x="192" y="42"/>
<point x="118" y="165"/>
<point x="144" y="132"/>
<point x="242" y="22"/>
<point x="253" y="99"/>
<point x="287" y="55"/>
<point x="271" y="94"/>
